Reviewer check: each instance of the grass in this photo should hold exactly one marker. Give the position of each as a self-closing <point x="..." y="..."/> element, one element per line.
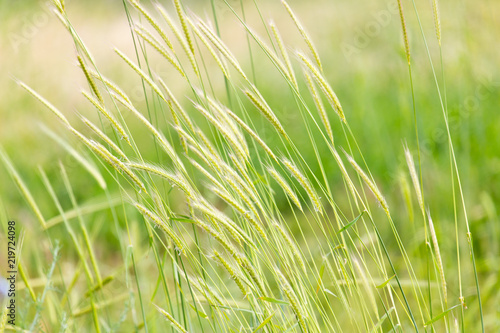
<point x="222" y="174"/>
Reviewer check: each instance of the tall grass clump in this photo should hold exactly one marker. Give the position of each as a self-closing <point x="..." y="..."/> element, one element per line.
<point x="224" y="216"/>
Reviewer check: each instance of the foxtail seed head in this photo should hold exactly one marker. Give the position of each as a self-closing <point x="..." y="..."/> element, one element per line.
<point x="371" y="185"/>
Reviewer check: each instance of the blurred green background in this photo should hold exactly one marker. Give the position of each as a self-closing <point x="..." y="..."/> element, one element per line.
<point x="361" y="46"/>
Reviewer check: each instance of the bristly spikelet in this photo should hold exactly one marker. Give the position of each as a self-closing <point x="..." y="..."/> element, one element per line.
<point x="220" y="219"/>
<point x="90" y="80"/>
<point x="405" y="33"/>
<point x="292" y="298"/>
<point x="105" y="138"/>
<point x="212" y="179"/>
<point x="210" y="293"/>
<point x="211" y="160"/>
<point x="212" y="151"/>
<point x="437" y="22"/>
<point x="177" y="125"/>
<point x="143" y="75"/>
<point x="439" y="260"/>
<point x="46" y="103"/>
<point x="158" y="136"/>
<point x="185" y="46"/>
<point x="219" y="238"/>
<point x="185" y="136"/>
<point x="22" y="187"/>
<point x="224" y="195"/>
<point x="82" y="138"/>
<point x="61" y="18"/>
<point x="108" y="116"/>
<point x="174" y="177"/>
<point x="414" y="178"/>
<point x="315" y="199"/>
<point x="221" y="47"/>
<point x="175" y="323"/>
<point x="320" y="107"/>
<point x="117" y="164"/>
<point x="220" y="112"/>
<point x="263" y="107"/>
<point x="153" y="23"/>
<point x="220" y="62"/>
<point x="177" y="106"/>
<point x="245" y="264"/>
<point x="405" y="191"/>
<point x="284" y="185"/>
<point x="60" y="7"/>
<point x="303" y="33"/>
<point x="226" y="132"/>
<point x="247" y="182"/>
<point x="292" y="245"/>
<point x="343" y="170"/>
<point x="146" y="35"/>
<point x="159" y="203"/>
<point x="371" y="185"/>
<point x="139" y="115"/>
<point x="252" y="134"/>
<point x="249" y="204"/>
<point x="163" y="225"/>
<point x="284" y="55"/>
<point x="109" y="84"/>
<point x="182" y="19"/>
<point x="231" y="272"/>
<point x="274" y="57"/>
<point x="241" y="188"/>
<point x="325" y="86"/>
<point x="248" y="187"/>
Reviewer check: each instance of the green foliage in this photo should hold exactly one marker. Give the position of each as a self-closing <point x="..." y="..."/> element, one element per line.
<point x="217" y="180"/>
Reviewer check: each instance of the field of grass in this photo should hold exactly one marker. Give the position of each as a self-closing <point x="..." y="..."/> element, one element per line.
<point x="250" y="166"/>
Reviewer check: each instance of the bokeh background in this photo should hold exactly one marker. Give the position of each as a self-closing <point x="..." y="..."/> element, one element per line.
<point x="361" y="46"/>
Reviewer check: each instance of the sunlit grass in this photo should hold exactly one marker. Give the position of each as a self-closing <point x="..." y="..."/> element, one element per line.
<point x="257" y="187"/>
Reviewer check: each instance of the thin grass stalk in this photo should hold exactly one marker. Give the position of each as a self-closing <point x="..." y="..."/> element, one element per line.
<point x="302" y="31"/>
<point x="153" y="22"/>
<point x="108" y="116"/>
<point x="182" y="19"/>
<point x="23" y="188"/>
<point x="325" y="87"/>
<point x="163" y="225"/>
<point x="146" y="35"/>
<point x="217" y="42"/>
<point x="284" y="185"/>
<point x="232" y="273"/>
<point x="439" y="260"/>
<point x="313" y="196"/>
<point x="320" y="108"/>
<point x="46" y="103"/>
<point x="184" y="43"/>
<point x="105" y="138"/>
<point x="90" y="80"/>
<point x="371" y="185"/>
<point x="258" y="101"/>
<point x="284" y="54"/>
<point x="117" y="164"/>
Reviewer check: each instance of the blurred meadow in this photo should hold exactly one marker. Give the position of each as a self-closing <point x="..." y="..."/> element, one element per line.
<point x="363" y="57"/>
